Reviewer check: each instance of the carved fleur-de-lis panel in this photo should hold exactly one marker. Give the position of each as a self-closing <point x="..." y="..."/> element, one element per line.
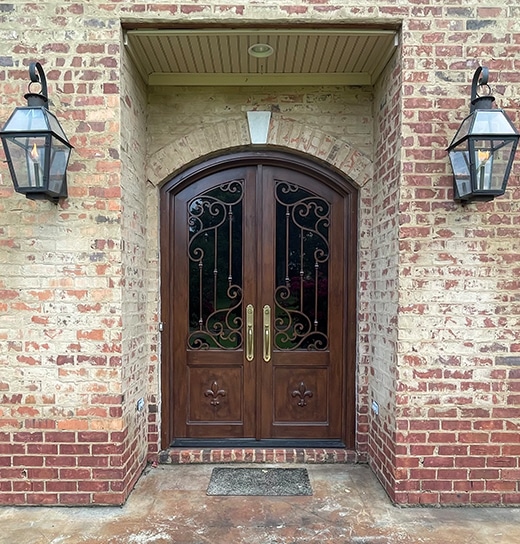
<point x="303" y="393"/>
<point x="214" y="392"/>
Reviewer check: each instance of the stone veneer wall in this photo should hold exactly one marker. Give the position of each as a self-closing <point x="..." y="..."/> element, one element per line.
<point x="439" y="319"/>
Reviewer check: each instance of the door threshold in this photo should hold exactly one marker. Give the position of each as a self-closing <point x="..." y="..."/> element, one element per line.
<point x="252" y="443"/>
<point x="243" y="451"/>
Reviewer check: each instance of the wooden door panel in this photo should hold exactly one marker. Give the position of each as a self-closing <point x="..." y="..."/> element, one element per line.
<point x="216" y="395"/>
<point x="303" y="280"/>
<point x="300" y="396"/>
<point x="257" y="235"/>
<point x="214" y="258"/>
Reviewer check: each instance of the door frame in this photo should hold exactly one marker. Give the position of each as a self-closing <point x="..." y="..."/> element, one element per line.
<point x="323" y="173"/>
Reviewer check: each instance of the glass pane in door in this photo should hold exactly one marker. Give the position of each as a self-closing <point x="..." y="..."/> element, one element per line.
<point x="215" y="268"/>
<point x="302" y="269"/>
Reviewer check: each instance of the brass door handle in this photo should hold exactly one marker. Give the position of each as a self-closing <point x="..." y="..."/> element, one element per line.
<point x="267" y="333"/>
<point x="250" y="330"/>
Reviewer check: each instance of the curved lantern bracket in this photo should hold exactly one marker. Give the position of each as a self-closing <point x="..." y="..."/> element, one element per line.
<point x="38" y="78"/>
<point x="478" y="81"/>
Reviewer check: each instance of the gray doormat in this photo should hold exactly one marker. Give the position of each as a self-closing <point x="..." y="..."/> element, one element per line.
<point x="259" y="481"/>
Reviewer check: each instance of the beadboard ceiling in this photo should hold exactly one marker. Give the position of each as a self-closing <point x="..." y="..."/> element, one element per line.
<point x="220" y="56"/>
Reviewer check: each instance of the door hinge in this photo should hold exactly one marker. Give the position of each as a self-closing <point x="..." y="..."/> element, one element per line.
<point x="161" y="326"/>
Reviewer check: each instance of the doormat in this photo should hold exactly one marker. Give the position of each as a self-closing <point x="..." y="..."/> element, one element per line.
<point x="259" y="481"/>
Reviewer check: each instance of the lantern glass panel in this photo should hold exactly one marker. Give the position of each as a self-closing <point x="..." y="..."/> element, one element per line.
<point x="492" y="163"/>
<point x="491" y="122"/>
<point x="27" y="157"/>
<point x="26" y="119"/>
<point x="460" y="164"/>
<point x="483" y="160"/>
<point x="55" y="126"/>
<point x="463" y="129"/>
<point x="59" y="159"/>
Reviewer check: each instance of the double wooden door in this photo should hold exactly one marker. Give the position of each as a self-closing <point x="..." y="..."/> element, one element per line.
<point x="256" y="306"/>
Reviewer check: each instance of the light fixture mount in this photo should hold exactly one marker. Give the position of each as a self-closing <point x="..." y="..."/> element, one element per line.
<point x="483" y="149"/>
<point x="260" y="50"/>
<point x="36" y="148"/>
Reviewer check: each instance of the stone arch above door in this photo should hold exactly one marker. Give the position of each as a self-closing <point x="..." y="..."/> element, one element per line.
<point x="283" y="133"/>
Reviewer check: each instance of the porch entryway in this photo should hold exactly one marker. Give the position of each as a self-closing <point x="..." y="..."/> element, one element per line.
<point x="258" y="289"/>
<point x="170" y="504"/>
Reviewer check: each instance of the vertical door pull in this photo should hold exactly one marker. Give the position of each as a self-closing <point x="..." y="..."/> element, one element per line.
<point x="267" y="333"/>
<point x="250" y="337"/>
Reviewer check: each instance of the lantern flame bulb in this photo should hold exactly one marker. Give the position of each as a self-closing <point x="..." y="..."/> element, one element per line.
<point x="483" y="156"/>
<point x="34" y="154"/>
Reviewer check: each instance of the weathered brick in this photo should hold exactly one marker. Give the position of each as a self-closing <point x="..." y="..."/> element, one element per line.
<point x="438" y="285"/>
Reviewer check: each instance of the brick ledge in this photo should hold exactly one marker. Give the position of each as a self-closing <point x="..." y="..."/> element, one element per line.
<point x="179" y="456"/>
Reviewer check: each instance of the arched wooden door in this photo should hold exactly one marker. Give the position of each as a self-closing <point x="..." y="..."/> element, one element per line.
<point x="258" y="291"/>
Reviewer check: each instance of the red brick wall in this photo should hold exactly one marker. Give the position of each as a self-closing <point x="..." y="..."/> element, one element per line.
<point x="382" y="280"/>
<point x="438" y="296"/>
<point x="140" y="293"/>
<point x="458" y="404"/>
<point x="64" y="467"/>
<point x="68" y="359"/>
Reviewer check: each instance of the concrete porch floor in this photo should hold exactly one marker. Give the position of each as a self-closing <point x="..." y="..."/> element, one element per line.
<point x="169" y="505"/>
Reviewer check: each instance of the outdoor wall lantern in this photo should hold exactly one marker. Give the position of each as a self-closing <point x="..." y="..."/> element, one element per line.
<point x="482" y="151"/>
<point x="36" y="148"/>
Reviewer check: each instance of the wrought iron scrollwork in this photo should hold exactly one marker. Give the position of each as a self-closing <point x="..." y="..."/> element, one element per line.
<point x="301" y="295"/>
<point x="215" y="282"/>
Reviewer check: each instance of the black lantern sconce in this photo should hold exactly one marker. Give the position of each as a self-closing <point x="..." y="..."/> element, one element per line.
<point x="482" y="151"/>
<point x="36" y="148"/>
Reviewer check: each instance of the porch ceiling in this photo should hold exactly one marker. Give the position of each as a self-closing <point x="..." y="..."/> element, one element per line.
<point x="300" y="57"/>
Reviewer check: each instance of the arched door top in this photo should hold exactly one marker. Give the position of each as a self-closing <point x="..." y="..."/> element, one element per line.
<point x="321" y="171"/>
<point x="284" y="134"/>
